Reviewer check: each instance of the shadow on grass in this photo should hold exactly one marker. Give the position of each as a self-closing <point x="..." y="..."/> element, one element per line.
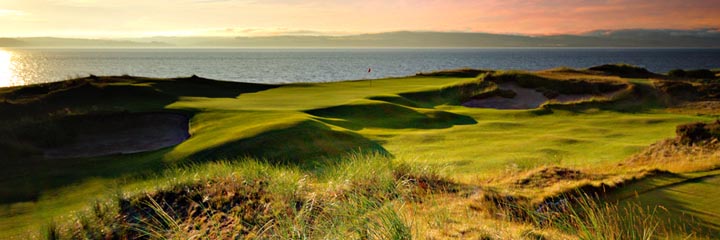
<point x="34" y="116"/>
<point x="642" y="99"/>
<point x="201" y="87"/>
<point x="302" y="145"/>
<point x="681" y="211"/>
<point x="29" y="179"/>
<point x="125" y="93"/>
<point x="387" y="115"/>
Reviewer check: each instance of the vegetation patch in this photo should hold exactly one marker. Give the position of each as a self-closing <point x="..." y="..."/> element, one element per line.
<point x="353" y="200"/>
<point x="698" y="133"/>
<point x="624" y="70"/>
<point x="549" y="176"/>
<point x="592" y="211"/>
<point x="465" y="72"/>
<point x="688" y="91"/>
<point x="693" y="74"/>
<point x="696" y="147"/>
<point x="450" y="95"/>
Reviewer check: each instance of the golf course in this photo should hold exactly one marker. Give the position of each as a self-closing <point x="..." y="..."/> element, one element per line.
<point x="608" y="152"/>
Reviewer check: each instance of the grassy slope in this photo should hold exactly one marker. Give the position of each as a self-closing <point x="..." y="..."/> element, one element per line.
<point x="470" y="144"/>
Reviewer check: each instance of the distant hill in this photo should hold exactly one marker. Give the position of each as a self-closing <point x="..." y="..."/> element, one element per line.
<point x="599" y="38"/>
<point x="75" y="42"/>
<point x="661" y="37"/>
<point x="10" y="42"/>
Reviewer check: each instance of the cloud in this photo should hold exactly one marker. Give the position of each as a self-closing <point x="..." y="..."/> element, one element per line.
<point x="328" y="17"/>
<point x="11" y="13"/>
<point x="277" y="31"/>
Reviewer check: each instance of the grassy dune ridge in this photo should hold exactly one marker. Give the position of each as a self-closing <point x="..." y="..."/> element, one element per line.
<point x="385" y="148"/>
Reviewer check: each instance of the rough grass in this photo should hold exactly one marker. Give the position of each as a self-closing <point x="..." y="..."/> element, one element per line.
<point x="358" y="199"/>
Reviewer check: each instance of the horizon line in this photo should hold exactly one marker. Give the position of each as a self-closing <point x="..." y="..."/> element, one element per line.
<point x="330" y="34"/>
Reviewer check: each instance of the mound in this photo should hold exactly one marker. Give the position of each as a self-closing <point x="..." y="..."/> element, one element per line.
<point x="387" y="115"/>
<point x="548" y="176"/>
<point x="78" y="96"/>
<point x="465" y="73"/>
<point x="395" y="100"/>
<point x="561" y="86"/>
<point x="453" y="95"/>
<point x="624" y="70"/>
<point x="695" y="133"/>
<point x="300" y="143"/>
<point x="98" y="135"/>
<point x="115" y="93"/>
<point x="686" y="91"/>
<point x="692" y="74"/>
<point x="522" y="98"/>
<point x="240" y="206"/>
<point x="511" y="95"/>
<point x="696" y="148"/>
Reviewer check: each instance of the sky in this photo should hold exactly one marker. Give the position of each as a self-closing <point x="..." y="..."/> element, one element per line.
<point x="145" y="18"/>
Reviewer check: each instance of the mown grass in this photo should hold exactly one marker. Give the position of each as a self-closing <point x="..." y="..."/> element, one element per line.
<point x="303" y="131"/>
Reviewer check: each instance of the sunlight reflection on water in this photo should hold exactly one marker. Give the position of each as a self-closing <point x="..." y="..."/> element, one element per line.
<point x="21" y="66"/>
<point x="6" y="73"/>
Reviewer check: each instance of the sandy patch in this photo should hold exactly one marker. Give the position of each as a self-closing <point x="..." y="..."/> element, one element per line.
<point x="528" y="98"/>
<point x="148" y="131"/>
<point x="568" y="98"/>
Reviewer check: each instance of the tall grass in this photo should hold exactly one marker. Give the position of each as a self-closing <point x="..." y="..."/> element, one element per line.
<point x="358" y="198"/>
<point x="591" y="218"/>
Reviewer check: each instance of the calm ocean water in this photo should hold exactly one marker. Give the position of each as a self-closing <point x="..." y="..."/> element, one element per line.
<point x="26" y="66"/>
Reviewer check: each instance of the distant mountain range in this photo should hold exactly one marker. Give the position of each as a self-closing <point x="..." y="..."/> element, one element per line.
<point x="599" y="38"/>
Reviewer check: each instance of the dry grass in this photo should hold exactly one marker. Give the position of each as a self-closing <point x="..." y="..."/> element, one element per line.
<point x="363" y="198"/>
<point x="673" y="156"/>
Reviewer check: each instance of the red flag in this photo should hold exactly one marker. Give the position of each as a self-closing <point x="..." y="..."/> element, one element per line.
<point x="369" y="69"/>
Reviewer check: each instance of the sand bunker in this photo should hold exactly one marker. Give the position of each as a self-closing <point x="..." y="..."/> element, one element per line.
<point x="528" y="98"/>
<point x="525" y="98"/>
<point x="123" y="134"/>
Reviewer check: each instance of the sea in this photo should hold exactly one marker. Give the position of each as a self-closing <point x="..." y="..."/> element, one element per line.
<point x="300" y="65"/>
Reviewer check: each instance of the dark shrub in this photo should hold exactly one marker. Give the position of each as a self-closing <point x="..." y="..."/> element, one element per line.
<point x="465" y="72"/>
<point x="698" y="132"/>
<point x="676" y="73"/>
<point x="697" y="73"/>
<point x="549" y="93"/>
<point x="623" y="70"/>
<point x="700" y="74"/>
<point x="679" y="89"/>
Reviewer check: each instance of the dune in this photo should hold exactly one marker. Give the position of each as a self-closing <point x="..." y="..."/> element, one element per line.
<point x="529" y="98"/>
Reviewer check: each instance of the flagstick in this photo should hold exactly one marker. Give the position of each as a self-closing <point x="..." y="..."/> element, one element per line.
<point x="370" y="70"/>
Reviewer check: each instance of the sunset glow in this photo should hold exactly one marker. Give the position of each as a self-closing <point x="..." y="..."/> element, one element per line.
<point x="133" y="18"/>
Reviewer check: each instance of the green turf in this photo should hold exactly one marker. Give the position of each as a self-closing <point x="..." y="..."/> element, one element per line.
<point x="690" y="196"/>
<point x="413" y="119"/>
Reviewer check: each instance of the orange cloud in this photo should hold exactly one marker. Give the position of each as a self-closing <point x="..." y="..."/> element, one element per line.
<point x="140" y="17"/>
